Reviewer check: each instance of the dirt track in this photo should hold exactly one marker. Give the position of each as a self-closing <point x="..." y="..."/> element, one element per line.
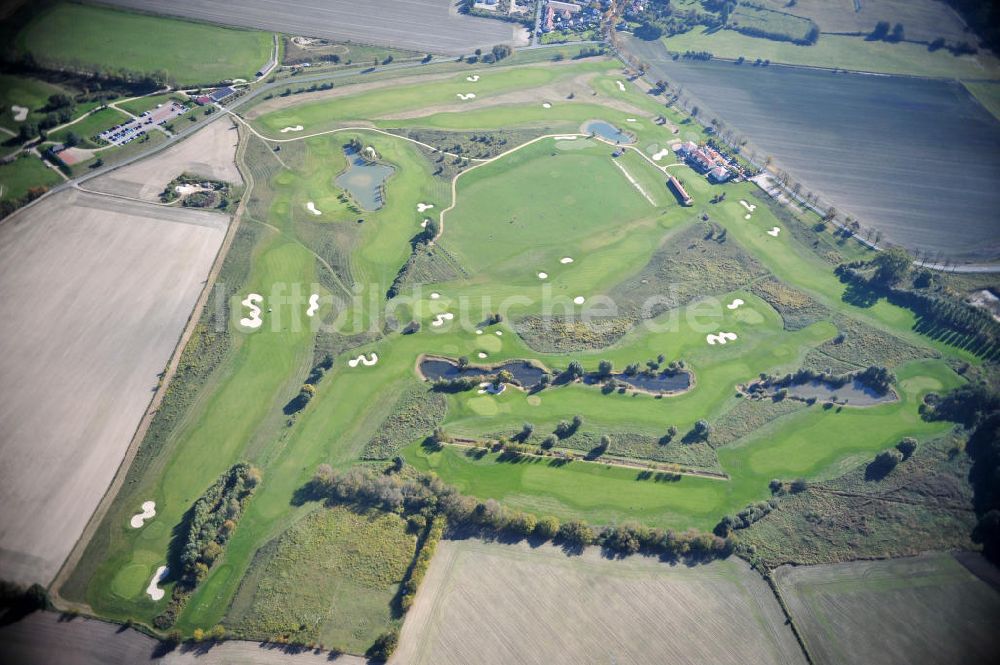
<point x="43" y="639"/>
<point x="96" y="292"/>
<point x="420" y="25"/>
<point x="489" y="603"/>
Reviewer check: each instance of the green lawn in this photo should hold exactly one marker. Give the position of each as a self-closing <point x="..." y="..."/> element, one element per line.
<point x="840" y="52"/>
<point x="25" y="172"/>
<point x="988" y="95"/>
<point x="88" y="128"/>
<point x="142" y="104"/>
<point x="99" y="38"/>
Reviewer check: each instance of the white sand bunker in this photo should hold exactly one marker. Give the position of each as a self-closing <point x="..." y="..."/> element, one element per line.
<point x="239" y="81"/>
<point x="479" y="332"/>
<point x="566" y="259"/>
<point x="734" y="304"/>
<point x="546" y="105"/>
<point x="499" y="333"/>
<point x="629" y="119"/>
<point x="774" y="232"/>
<point x="746" y="216"/>
<point x="311" y="207"/>
<point x="487" y="387"/>
<point x="424" y="223"/>
<point x="184" y="190"/>
<point x="441" y="318"/>
<point x="424" y="206"/>
<point x="20" y="113"/>
<point x="661" y="154"/>
<point x="543" y="275"/>
<point x="313" y="304"/>
<point x="721" y="338"/>
<point x="154" y="591"/>
<point x="621" y="86"/>
<point x="473" y="78"/>
<point x="481" y="354"/>
<point x="293" y="128"/>
<point x="366" y="361"/>
<point x="148" y="513"/>
<point x="565" y="138"/>
<point x="579" y="300"/>
<point x="466" y="97"/>
<point x="749" y="206"/>
<point x="254" y="320"/>
<point x="435" y="296"/>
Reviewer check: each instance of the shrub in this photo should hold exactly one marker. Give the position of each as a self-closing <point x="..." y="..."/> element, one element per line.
<point x="907" y="447"/>
<point x="799" y="485"/>
<point x="547" y="528"/>
<point x="384" y="645"/>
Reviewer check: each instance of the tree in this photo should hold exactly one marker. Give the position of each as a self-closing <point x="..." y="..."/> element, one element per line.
<point x="547" y="528"/>
<point x="577" y="421"/>
<point x="550" y="441"/>
<point x="882" y="465"/>
<point x="575" y="370"/>
<point x="672" y="431"/>
<point x="217" y="633"/>
<point x="907" y="447"/>
<point x="897" y="33"/>
<point x="526" y="431"/>
<point x="463" y="362"/>
<point x="799" y="485"/>
<point x="576" y="533"/>
<point x="198" y="634"/>
<point x="384" y="645"/>
<point x="879" y="32"/>
<point x="604" y="369"/>
<point x="891" y="265"/>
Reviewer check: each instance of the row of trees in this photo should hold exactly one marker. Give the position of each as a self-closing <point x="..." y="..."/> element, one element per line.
<point x="410" y="492"/>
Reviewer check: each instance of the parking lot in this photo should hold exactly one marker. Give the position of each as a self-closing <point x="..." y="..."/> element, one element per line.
<point x="133" y="129"/>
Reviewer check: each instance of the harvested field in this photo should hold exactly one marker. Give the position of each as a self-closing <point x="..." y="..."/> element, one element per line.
<point x="928" y="609"/>
<point x="45" y="637"/>
<point x="421" y="25"/>
<point x="474" y="606"/>
<point x="96" y="293"/>
<point x="210" y="152"/>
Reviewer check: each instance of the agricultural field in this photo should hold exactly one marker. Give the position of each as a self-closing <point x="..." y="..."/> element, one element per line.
<point x="76" y="36"/>
<point x="61" y="260"/>
<point x="424" y="25"/>
<point x="477" y="217"/>
<point x="929" y="608"/>
<point x="828" y="137"/>
<point x="588" y="608"/>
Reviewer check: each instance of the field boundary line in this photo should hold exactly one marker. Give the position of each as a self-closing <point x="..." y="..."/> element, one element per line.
<point x="111" y="493"/>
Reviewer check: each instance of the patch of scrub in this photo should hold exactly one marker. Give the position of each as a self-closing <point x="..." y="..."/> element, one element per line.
<point x="252" y="301"/>
<point x="441" y="318"/>
<point x="148" y="513"/>
<point x="488" y="388"/>
<point x="566" y="259"/>
<point x="313" y="304"/>
<point x="735" y="303"/>
<point x="153" y="590"/>
<point x="368" y="361"/>
<point x="466" y="97"/>
<point x="606" y="131"/>
<point x="661" y="154"/>
<point x="20" y="113"/>
<point x="473" y="78"/>
<point x="774" y="232"/>
<point x="421" y="207"/>
<point x="543" y="275"/>
<point x="621" y="86"/>
<point x="311" y="207"/>
<point x="365" y="180"/>
<point x="293" y="128"/>
<point x="720" y="338"/>
<point x="579" y="300"/>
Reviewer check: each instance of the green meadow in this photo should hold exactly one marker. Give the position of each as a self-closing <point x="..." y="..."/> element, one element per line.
<point x="510" y="219"/>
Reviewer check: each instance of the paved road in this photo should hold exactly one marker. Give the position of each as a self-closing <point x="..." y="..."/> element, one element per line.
<point x="419" y="25"/>
<point x="43" y="638"/>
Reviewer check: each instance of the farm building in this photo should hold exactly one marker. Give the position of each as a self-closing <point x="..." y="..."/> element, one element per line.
<point x="719" y="174"/>
<point x="679" y="191"/>
<point x="217" y="97"/>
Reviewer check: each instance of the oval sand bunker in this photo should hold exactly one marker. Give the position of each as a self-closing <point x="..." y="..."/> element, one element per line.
<point x="566" y="259"/>
<point x="148" y="513"/>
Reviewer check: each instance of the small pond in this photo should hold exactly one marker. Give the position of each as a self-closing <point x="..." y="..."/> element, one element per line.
<point x="854" y="393"/>
<point x="523" y="372"/>
<point x="365" y="180"/>
<point x="663" y="382"/>
<point x="606" y="131"/>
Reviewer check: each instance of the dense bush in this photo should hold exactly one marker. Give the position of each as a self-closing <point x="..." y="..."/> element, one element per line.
<point x="423" y="560"/>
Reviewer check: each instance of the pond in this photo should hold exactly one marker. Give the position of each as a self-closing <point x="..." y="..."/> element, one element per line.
<point x="524" y="372"/>
<point x="607" y="131"/>
<point x="854" y="393"/>
<point x="365" y="180"/>
<point x="663" y="382"/>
